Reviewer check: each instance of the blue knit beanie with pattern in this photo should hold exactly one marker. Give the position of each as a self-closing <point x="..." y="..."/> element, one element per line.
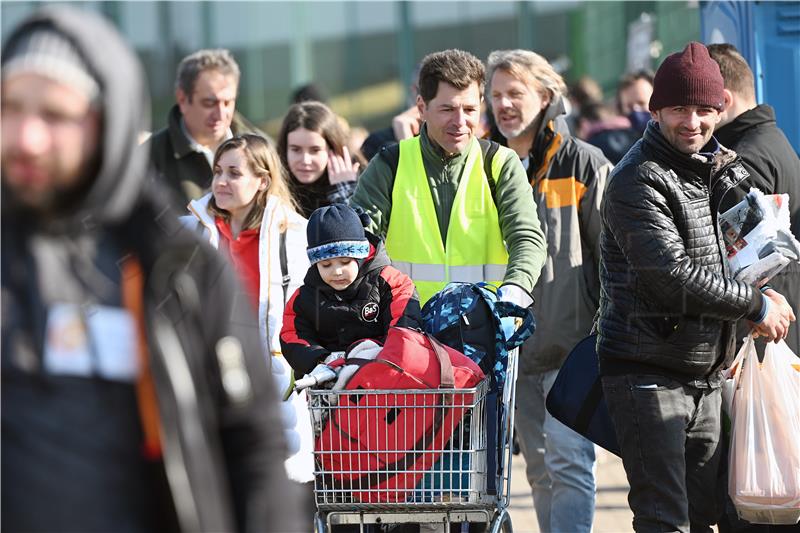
<point x="335" y="231"/>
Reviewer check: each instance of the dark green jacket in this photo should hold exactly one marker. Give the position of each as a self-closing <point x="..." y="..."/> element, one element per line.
<point x="517" y="212"/>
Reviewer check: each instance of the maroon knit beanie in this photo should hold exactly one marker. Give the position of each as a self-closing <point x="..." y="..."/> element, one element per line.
<point x="690" y="77"/>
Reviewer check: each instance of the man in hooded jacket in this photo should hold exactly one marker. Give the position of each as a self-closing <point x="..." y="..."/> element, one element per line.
<point x="773" y="166"/>
<point x="135" y="396"/>
<point x="568" y="176"/>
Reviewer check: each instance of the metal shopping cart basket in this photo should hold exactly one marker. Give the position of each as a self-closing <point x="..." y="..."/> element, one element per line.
<point x="456" y="472"/>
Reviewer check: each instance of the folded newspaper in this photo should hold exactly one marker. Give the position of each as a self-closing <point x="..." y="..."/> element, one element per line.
<point x="757" y="237"/>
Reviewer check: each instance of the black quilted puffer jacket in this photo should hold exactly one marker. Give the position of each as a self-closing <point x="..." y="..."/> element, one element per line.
<point x="667" y="304"/>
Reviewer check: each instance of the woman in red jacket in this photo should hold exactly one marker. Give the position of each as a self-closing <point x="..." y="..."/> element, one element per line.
<point x="249" y="216"/>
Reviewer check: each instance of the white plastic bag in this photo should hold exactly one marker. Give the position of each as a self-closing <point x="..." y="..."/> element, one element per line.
<point x="764" y="473"/>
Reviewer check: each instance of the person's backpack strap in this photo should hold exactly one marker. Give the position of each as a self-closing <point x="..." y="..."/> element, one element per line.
<point x="489" y="149"/>
<point x="391" y="156"/>
<point x="285" y="277"/>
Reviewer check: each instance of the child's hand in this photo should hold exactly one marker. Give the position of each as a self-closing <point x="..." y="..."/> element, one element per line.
<point x="364" y="350"/>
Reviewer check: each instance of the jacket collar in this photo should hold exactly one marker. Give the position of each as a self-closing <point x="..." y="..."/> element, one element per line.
<point x="552" y="122"/>
<point x="693" y="164"/>
<point x="199" y="208"/>
<point x="432" y="151"/>
<point x="730" y="133"/>
<point x="702" y="167"/>
<point x="180" y="142"/>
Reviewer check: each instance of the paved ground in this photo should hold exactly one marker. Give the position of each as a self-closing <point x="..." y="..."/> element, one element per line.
<point x="612" y="514"/>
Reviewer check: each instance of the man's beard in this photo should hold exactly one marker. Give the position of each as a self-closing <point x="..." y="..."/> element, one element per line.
<point x="55" y="200"/>
<point x="530" y="128"/>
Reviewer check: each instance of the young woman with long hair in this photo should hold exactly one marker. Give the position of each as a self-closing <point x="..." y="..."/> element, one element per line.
<point x="313" y="147"/>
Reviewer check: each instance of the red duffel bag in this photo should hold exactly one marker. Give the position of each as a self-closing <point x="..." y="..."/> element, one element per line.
<point x="376" y="447"/>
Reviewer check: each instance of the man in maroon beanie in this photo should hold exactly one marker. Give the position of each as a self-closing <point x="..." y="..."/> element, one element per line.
<point x="669" y="304"/>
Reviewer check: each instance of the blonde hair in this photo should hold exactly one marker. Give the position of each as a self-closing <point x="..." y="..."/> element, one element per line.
<point x="263" y="161"/>
<point x="528" y="67"/>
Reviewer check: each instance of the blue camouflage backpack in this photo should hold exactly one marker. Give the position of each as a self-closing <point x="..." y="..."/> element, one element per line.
<point x="469" y="318"/>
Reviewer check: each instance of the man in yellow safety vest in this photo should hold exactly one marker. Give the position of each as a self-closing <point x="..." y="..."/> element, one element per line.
<point x="450" y="206"/>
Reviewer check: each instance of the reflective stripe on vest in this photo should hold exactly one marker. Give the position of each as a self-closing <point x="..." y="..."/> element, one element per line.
<point x="475" y="249"/>
<point x="470" y="273"/>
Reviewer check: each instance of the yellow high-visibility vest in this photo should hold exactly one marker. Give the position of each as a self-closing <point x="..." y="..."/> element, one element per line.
<point x="475" y="249"/>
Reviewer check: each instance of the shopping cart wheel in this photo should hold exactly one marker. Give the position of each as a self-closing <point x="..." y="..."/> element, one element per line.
<point x="501" y="522"/>
<point x="319" y="524"/>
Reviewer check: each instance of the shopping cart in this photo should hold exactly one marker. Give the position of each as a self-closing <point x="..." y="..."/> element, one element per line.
<point x="456" y="473"/>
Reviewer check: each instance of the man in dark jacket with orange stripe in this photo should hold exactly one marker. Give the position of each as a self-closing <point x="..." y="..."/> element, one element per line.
<point x="668" y="304"/>
<point x="351" y="291"/>
<point x="129" y="403"/>
<point x="567" y="176"/>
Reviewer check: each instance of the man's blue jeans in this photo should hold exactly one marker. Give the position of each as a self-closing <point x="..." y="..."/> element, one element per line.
<point x="669" y="434"/>
<point x="560" y="462"/>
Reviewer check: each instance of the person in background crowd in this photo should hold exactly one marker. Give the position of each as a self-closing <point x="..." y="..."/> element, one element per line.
<point x="750" y="130"/>
<point x="450" y="225"/>
<point x="668" y="305"/>
<point x="526" y="97"/>
<point x="774" y="167"/>
<point x="600" y="126"/>
<point x="356" y="135"/>
<point x="584" y="92"/>
<point x="310" y="92"/>
<point x="250" y="217"/>
<point x="204" y="116"/>
<point x="633" y="95"/>
<point x="313" y="147"/>
<point x="404" y="125"/>
<point x="129" y="404"/>
<point x="351" y="292"/>
<point x="615" y="134"/>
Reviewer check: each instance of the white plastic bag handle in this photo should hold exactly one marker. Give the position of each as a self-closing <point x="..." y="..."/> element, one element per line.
<point x="732" y="373"/>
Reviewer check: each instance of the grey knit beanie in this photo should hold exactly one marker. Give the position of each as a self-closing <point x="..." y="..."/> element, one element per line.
<point x="48" y="53"/>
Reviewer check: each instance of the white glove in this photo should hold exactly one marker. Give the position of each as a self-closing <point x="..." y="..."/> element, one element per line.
<point x="515" y="295"/>
<point x="333" y="357"/>
<point x="364" y="350"/>
<point x="322" y="373"/>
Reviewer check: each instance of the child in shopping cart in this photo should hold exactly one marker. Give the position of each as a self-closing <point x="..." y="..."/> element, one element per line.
<point x="350" y="293"/>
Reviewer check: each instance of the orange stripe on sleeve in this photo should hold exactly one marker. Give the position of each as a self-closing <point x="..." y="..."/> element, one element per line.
<point x="562" y="192"/>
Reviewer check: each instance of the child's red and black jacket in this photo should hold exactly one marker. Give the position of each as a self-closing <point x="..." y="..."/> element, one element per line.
<point x="319" y="320"/>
